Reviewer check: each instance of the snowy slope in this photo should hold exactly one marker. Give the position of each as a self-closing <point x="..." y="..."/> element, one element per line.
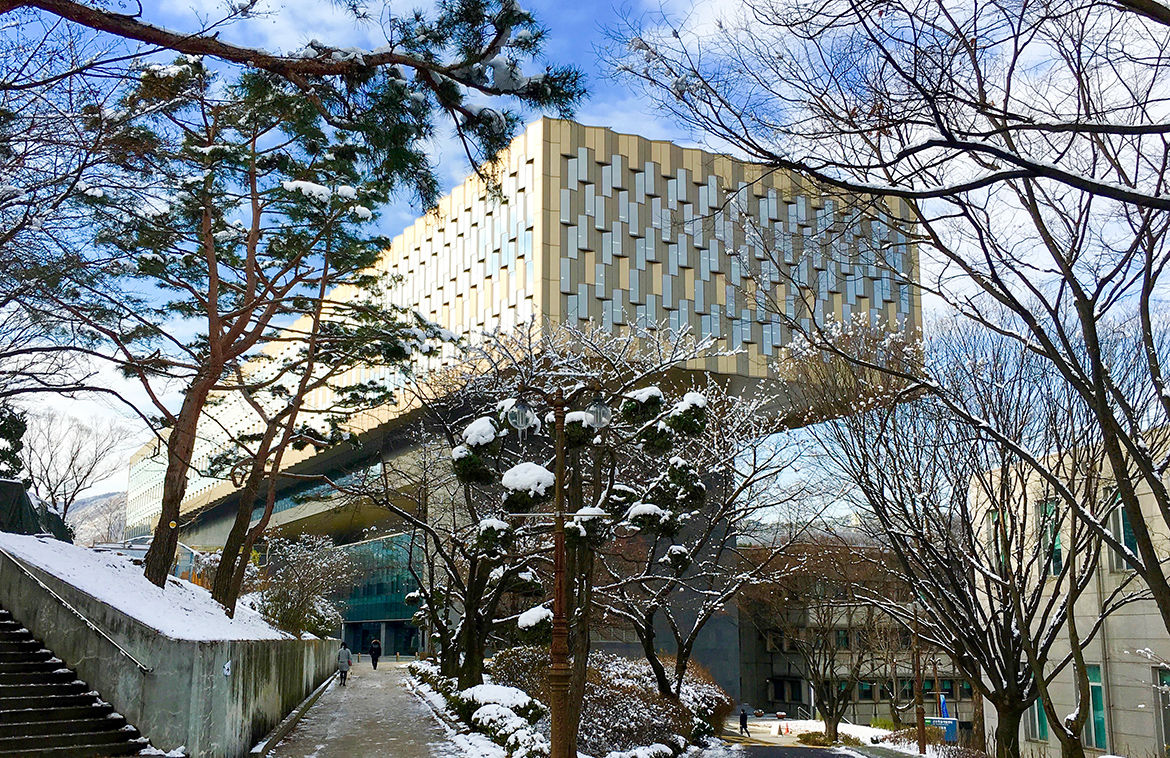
<point x="183" y="611"/>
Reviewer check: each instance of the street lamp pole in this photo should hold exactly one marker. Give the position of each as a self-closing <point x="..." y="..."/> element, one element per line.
<point x="521" y="416"/>
<point x="919" y="709"/>
<point x="559" y="674"/>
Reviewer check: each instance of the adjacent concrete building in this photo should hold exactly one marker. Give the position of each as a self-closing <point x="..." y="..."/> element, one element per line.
<point x="1128" y="660"/>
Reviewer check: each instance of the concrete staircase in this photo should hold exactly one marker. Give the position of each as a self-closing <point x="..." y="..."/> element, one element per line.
<point x="46" y="711"/>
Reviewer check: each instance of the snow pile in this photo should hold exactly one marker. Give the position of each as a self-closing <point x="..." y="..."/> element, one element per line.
<point x="485" y="694"/>
<point x="533" y="617"/>
<point x="646" y="511"/>
<point x="460" y="451"/>
<point x="309" y="189"/>
<point x="482" y="431"/>
<point x="528" y="477"/>
<point x="657" y="750"/>
<point x="492" y="525"/>
<point x="689" y="400"/>
<point x="864" y="733"/>
<point x="644" y="395"/>
<point x="182" y="611"/>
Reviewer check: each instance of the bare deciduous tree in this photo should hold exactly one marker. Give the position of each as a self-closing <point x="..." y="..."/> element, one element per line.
<point x="1019" y="151"/>
<point x="995" y="555"/>
<point x="65" y="456"/>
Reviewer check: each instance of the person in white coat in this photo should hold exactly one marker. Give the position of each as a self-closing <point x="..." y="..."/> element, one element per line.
<point x="344" y="661"/>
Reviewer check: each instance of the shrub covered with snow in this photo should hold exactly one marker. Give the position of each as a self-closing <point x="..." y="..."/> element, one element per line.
<point x="689" y="415"/>
<point x="527" y="484"/>
<point x="505" y="714"/>
<point x="623" y="711"/>
<point x="470" y="466"/>
<point x="514" y="733"/>
<point x="642" y="406"/>
<point x="467" y="702"/>
<point x="535" y="625"/>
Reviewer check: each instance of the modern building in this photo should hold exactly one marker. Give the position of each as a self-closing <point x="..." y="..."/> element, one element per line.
<point x="812" y="622"/>
<point x="590" y="224"/>
<point x="376" y="608"/>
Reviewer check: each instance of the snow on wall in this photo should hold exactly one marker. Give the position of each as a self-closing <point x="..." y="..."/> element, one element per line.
<point x="183" y="611"/>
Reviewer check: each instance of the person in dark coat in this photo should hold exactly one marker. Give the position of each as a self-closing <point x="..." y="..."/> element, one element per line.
<point x="344" y="661"/>
<point x="743" y="723"/>
<point x="375" y="652"/>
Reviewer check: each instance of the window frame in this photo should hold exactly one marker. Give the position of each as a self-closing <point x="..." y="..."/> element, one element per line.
<point x="1096" y="726"/>
<point x="1036" y="723"/>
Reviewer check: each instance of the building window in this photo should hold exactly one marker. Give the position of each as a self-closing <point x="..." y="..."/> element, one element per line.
<point x="1050" y="537"/>
<point x="1036" y="723"/>
<point x="1162" y="688"/>
<point x="1122" y="529"/>
<point x="867" y="691"/>
<point x="842" y="639"/>
<point x="1095" y="726"/>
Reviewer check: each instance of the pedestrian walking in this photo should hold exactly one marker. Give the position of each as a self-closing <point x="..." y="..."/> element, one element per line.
<point x="743" y="723"/>
<point x="375" y="652"/>
<point x="344" y="661"/>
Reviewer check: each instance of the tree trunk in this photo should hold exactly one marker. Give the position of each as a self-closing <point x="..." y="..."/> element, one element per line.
<point x="1007" y="731"/>
<point x="579" y="642"/>
<point x="1070" y="745"/>
<point x="470" y="666"/>
<point x="832" y="722"/>
<point x="224" y="589"/>
<point x="979" y="732"/>
<point x="646" y="636"/>
<point x="181" y="442"/>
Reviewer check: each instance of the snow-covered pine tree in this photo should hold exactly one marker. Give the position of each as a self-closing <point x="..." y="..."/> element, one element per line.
<point x="12" y="428"/>
<point x="246" y="273"/>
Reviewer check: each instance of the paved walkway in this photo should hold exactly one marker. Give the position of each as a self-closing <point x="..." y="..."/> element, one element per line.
<point x="760" y="731"/>
<point x="373" y="715"/>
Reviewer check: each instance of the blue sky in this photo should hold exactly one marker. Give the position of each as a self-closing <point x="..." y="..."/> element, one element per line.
<point x="575" y="31"/>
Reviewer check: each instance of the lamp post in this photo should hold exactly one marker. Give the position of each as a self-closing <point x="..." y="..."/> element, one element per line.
<point x="521" y="416"/>
<point x="919" y="709"/>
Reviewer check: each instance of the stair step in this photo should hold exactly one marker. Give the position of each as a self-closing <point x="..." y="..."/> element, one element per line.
<point x="78" y="751"/>
<point x="45" y="701"/>
<point x="110" y="722"/>
<point x="42" y="689"/>
<point x="91" y="710"/>
<point x="67" y="739"/>
<point x="47" y="712"/>
<point x="25" y="656"/>
<point x="20" y="667"/>
<point x="52" y="676"/>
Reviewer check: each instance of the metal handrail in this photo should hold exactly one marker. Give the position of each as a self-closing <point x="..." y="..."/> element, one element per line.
<point x="20" y="565"/>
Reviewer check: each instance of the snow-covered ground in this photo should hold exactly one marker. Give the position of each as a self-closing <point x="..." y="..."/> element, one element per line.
<point x="863" y="733"/>
<point x="182" y="611"/>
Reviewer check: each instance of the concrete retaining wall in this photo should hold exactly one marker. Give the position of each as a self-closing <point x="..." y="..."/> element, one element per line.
<point x="188" y="698"/>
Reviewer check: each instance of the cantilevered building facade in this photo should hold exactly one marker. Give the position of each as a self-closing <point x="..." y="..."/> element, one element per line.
<point x="593" y="224"/>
